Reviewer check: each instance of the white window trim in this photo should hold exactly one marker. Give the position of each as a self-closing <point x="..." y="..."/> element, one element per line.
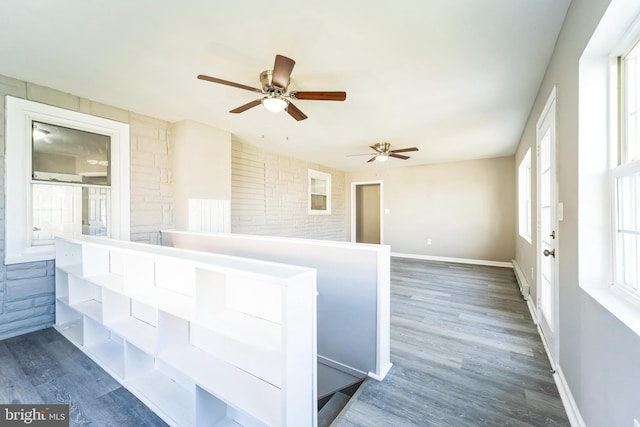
<point x="19" y="115"/>
<point x="524" y="197"/>
<point x="598" y="137"/>
<point x="327" y="177"/>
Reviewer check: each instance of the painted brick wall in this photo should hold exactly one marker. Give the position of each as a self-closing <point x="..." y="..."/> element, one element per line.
<point x="269" y="196"/>
<point x="27" y="290"/>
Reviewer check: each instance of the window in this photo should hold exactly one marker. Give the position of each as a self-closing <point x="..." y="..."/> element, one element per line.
<point x="67" y="174"/>
<point x="70" y="182"/>
<point x="319" y="193"/>
<point x="524" y="197"/>
<point x="605" y="203"/>
<point x="626" y="175"/>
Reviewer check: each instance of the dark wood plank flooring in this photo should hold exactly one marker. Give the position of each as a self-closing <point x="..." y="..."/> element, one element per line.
<point x="43" y="367"/>
<point x="465" y="351"/>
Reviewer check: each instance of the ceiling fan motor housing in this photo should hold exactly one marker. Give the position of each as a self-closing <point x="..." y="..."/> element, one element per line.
<point x="383" y="147"/>
<point x="266" y="79"/>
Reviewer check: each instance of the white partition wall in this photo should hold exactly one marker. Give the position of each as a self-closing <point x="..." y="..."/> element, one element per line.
<point x="353" y="286"/>
<point x="202" y="339"/>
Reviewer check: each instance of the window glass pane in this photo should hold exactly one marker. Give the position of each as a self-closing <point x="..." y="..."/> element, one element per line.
<point x="628" y="250"/>
<point x="95" y="205"/>
<point x="68" y="210"/>
<point x="69" y="155"/>
<point x="318" y="186"/>
<point x="631" y="142"/>
<point x="318" y="203"/>
<point x="628" y="201"/>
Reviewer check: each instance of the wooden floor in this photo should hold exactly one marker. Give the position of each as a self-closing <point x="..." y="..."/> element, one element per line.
<point x="465" y="353"/>
<point x="43" y="367"/>
<point x="464" y="348"/>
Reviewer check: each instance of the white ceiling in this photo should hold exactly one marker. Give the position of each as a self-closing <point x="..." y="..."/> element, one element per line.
<point x="456" y="78"/>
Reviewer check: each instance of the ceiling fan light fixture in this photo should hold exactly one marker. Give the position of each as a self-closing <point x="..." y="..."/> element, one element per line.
<point x="382" y="157"/>
<point x="275" y="104"/>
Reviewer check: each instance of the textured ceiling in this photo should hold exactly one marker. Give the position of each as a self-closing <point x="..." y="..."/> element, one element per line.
<point x="455" y="78"/>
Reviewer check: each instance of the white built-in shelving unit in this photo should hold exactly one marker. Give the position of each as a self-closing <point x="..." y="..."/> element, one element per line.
<point x="202" y="339"/>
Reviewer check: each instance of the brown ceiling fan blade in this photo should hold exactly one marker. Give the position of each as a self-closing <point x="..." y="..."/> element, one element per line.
<point x="320" y="96"/>
<point x="295" y="112"/>
<point x="246" y="106"/>
<point x="282" y="71"/>
<point x="228" y="83"/>
<point x="404" y="150"/>
<point x="372" y="159"/>
<point x="355" y="155"/>
<point x="398" y="156"/>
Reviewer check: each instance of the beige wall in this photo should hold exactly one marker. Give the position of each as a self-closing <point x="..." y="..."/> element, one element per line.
<point x="269" y="196"/>
<point x="465" y="208"/>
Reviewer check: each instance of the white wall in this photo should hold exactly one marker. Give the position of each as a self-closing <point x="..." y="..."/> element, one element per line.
<point x="465" y="208"/>
<point x="598" y="355"/>
<point x="269" y="196"/>
<point x="201" y="165"/>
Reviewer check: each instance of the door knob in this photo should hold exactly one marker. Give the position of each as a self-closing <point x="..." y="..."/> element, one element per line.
<point x="548" y="252"/>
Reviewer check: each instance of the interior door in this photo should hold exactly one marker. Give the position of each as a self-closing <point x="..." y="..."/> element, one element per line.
<point x="366" y="213"/>
<point x="547" y="246"/>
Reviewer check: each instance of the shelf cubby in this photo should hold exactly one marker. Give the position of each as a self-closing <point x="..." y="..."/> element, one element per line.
<point x="62" y="284"/>
<point x="229" y="383"/>
<point x="131" y="319"/>
<point x="69" y="255"/>
<point x="230" y="341"/>
<point x="69" y="322"/>
<point x="176" y="275"/>
<point x="85" y="297"/>
<point x="211" y="411"/>
<point x="158" y="387"/>
<point x="105" y="346"/>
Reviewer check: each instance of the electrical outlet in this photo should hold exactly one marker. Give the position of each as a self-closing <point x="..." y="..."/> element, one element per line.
<point x="428" y="241"/>
<point x="636" y="423"/>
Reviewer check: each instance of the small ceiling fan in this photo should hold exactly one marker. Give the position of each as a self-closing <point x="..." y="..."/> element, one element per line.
<point x="274" y="88"/>
<point x="384" y="151"/>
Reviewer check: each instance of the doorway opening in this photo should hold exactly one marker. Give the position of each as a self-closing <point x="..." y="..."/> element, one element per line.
<point x="366" y="212"/>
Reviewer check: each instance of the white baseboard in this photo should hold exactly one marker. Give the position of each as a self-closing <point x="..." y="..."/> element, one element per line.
<point x="573" y="413"/>
<point x="385" y="370"/>
<point x="455" y="260"/>
<point x="523" y="283"/>
<point x="533" y="311"/>
<point x="569" y="403"/>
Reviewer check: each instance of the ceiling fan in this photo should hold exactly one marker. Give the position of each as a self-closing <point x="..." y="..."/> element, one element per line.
<point x="274" y="88"/>
<point x="384" y="151"/>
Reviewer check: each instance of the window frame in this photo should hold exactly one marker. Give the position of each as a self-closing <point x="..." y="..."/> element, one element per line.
<point x="524" y="197"/>
<point x="19" y="116"/>
<point x="622" y="166"/>
<point x="314" y="174"/>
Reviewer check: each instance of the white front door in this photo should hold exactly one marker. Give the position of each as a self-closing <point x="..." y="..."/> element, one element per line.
<point x="547" y="257"/>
